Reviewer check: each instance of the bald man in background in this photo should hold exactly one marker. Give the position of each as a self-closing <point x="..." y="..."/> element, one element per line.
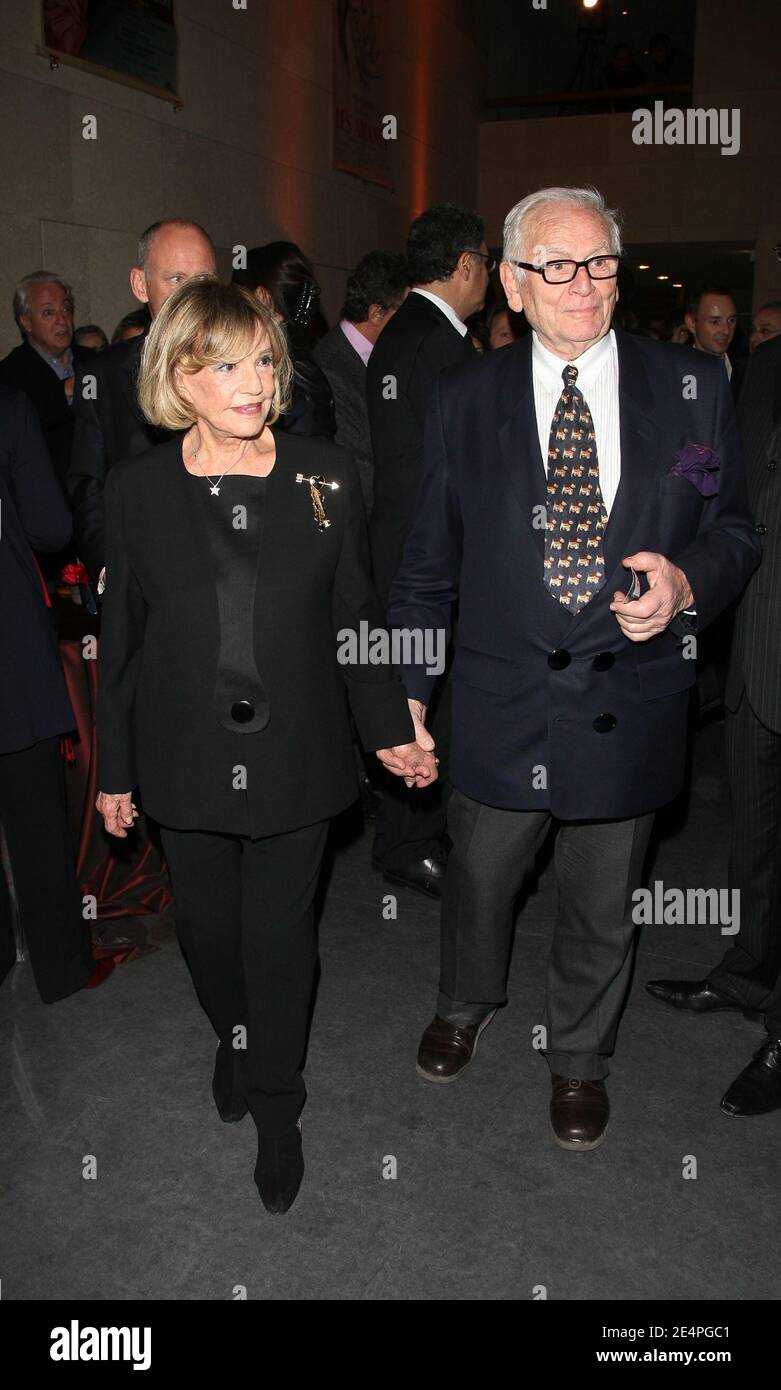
<point x="109" y="425"/>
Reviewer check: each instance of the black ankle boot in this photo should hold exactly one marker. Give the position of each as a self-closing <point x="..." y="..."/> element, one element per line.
<point x="226" y="1085"/>
<point x="279" y="1169"/>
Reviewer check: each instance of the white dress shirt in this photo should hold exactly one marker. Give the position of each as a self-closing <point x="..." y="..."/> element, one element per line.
<point x="446" y="308"/>
<point x="598" y="383"/>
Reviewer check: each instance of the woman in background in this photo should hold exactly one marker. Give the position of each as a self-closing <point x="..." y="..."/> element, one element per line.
<point x="283" y="279"/>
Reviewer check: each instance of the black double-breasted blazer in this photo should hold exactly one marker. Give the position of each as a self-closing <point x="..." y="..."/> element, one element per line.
<point x="172" y="671"/>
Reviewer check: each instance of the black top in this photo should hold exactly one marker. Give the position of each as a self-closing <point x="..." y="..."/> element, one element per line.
<point x="34" y="703"/>
<point x="220" y="693"/>
<point x="233" y="527"/>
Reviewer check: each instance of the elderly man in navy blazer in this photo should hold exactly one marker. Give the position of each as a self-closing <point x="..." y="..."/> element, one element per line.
<point x="583" y="500"/>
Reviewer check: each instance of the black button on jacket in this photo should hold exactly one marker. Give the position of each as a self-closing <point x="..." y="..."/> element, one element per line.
<point x="169" y="671"/>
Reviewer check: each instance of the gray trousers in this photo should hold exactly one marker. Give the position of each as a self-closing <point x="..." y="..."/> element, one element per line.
<point x="598" y="864"/>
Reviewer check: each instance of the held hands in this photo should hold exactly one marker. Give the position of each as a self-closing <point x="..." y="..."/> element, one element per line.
<point x="118" y="812"/>
<point x="668" y="594"/>
<point x="415" y="762"/>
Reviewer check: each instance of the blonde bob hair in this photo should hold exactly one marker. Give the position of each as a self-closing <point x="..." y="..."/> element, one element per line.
<point x="202" y="323"/>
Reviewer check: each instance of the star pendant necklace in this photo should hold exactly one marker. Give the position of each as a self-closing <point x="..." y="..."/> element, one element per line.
<point x="214" y="488"/>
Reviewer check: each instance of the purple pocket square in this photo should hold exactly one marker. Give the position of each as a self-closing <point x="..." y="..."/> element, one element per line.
<point x="700" y="466"/>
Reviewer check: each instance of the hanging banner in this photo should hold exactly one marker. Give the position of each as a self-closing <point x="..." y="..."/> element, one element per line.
<point x="361" y="48"/>
<point x="129" y="41"/>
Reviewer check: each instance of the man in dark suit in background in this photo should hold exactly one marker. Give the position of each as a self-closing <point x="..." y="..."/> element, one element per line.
<point x="34" y="712"/>
<point x="749" y="976"/>
<point x="109" y="425"/>
<point x="449" y="266"/>
<point x="555" y="486"/>
<point x="712" y="318"/>
<point x="45" y="363"/>
<point x="376" y="288"/>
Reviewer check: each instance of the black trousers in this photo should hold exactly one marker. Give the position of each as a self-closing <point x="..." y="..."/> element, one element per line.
<point x="751" y="968"/>
<point x="245" y="923"/>
<point x="411" y="822"/>
<point x="34" y="819"/>
<point x="599" y="865"/>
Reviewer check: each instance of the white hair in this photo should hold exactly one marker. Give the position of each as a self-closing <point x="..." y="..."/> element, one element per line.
<point x="517" y="220"/>
<point x="38" y="277"/>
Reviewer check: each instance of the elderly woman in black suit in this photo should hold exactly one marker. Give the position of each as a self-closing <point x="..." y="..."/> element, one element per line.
<point x="232" y="583"/>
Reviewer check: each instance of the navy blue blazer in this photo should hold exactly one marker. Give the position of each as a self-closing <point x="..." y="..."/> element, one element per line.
<point x="553" y="710"/>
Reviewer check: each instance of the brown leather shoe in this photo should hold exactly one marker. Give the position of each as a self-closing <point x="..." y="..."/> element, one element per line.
<point x="579" y="1112"/>
<point x="445" y="1049"/>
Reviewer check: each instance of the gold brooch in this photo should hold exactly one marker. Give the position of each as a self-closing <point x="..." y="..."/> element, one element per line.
<point x="316" y="485"/>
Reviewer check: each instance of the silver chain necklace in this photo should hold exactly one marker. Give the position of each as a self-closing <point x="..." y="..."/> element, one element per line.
<point x="214" y="488"/>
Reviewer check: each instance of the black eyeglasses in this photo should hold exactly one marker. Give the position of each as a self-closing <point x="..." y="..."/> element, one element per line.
<point x="490" y="261"/>
<point x="561" y="272"/>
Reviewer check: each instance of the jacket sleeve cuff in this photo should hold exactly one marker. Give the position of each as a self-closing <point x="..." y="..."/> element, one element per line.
<point x="381" y="715"/>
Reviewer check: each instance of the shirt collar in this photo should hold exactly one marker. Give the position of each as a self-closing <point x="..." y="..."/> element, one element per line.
<point x="549" y="367"/>
<point x="63" y="369"/>
<point x="363" y="345"/>
<point x="446" y="308"/>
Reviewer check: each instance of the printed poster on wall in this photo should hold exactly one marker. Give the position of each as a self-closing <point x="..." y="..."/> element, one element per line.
<point x="361" y="48"/>
<point x="131" y="41"/>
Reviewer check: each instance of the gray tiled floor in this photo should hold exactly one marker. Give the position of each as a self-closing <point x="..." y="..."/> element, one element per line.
<point x="483" y="1206"/>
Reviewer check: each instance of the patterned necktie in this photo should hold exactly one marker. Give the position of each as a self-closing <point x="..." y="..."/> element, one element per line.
<point x="576" y="516"/>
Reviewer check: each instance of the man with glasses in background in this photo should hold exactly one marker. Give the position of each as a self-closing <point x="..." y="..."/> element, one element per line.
<point x="584" y="546"/>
